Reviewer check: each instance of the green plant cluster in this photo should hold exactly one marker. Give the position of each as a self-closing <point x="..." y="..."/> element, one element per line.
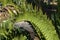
<point x="42" y="25"/>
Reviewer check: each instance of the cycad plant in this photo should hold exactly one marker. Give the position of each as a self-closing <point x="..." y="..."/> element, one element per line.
<point x="18" y="11"/>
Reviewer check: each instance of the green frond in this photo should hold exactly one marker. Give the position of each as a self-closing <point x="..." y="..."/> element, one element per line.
<point x="42" y="25"/>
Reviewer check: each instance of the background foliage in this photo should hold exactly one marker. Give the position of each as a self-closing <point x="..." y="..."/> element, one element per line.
<point x="43" y="26"/>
